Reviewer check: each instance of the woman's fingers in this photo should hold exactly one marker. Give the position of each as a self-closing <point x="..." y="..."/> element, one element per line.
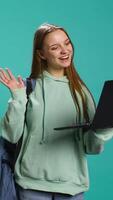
<point x="4" y="81"/>
<point x="8" y="79"/>
<point x="10" y="74"/>
<point x="20" y="80"/>
<point x="4" y="75"/>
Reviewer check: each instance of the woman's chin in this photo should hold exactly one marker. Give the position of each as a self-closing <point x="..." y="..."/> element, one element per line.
<point x="66" y="66"/>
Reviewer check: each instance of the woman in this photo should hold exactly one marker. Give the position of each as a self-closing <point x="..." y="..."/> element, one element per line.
<point x="51" y="164"/>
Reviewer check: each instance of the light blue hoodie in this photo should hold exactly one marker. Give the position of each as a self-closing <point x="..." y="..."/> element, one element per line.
<point x="50" y="160"/>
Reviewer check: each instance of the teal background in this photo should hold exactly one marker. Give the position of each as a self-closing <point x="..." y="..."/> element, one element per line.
<point x="90" y="25"/>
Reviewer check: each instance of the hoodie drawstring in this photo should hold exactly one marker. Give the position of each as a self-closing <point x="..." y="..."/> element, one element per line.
<point x="43" y="119"/>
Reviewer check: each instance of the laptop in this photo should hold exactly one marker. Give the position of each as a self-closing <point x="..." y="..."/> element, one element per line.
<point x="103" y="117"/>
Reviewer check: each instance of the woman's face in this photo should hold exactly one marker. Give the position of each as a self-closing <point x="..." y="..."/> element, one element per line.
<point x="57" y="50"/>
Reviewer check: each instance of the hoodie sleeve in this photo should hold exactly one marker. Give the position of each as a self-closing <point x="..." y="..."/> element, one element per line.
<point x="12" y="123"/>
<point x="94" y="140"/>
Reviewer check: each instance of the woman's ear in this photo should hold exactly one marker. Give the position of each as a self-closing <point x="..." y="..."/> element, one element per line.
<point x="40" y="54"/>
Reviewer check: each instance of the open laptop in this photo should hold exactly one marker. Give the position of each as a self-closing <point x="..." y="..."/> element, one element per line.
<point x="103" y="117"/>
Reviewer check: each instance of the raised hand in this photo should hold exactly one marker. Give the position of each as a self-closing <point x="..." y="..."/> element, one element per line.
<point x="8" y="79"/>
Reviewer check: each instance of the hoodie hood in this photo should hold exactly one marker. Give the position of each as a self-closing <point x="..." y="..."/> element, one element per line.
<point x="49" y="76"/>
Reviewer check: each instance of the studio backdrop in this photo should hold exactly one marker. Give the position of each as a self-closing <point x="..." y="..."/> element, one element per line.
<point x="90" y="26"/>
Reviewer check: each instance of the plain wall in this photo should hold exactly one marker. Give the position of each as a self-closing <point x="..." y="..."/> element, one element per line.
<point x="90" y="26"/>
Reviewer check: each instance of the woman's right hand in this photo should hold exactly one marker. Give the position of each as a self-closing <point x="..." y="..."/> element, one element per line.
<point x="8" y="79"/>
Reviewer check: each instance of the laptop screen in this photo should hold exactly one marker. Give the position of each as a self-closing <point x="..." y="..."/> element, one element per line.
<point x="104" y="113"/>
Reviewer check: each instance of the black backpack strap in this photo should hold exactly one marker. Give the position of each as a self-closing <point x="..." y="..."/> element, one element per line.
<point x="30" y="85"/>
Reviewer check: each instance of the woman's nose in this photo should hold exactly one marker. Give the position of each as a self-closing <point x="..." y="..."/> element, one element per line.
<point x="63" y="50"/>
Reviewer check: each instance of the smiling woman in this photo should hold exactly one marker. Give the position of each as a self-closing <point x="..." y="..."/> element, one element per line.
<point x="53" y="51"/>
<point x="51" y="164"/>
<point x="57" y="50"/>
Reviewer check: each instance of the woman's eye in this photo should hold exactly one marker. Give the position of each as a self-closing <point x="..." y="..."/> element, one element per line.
<point x="54" y="48"/>
<point x="68" y="42"/>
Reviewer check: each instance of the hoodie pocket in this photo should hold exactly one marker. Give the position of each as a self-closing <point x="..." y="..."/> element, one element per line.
<point x="62" y="163"/>
<point x="33" y="162"/>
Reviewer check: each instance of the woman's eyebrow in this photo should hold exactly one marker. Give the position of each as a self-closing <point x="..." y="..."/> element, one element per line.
<point x="53" y="45"/>
<point x="67" y="39"/>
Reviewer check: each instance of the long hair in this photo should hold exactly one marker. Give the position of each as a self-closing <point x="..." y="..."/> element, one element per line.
<point x="39" y="65"/>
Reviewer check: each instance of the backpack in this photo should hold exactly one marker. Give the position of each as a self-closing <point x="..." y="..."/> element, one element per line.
<point x="8" y="156"/>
